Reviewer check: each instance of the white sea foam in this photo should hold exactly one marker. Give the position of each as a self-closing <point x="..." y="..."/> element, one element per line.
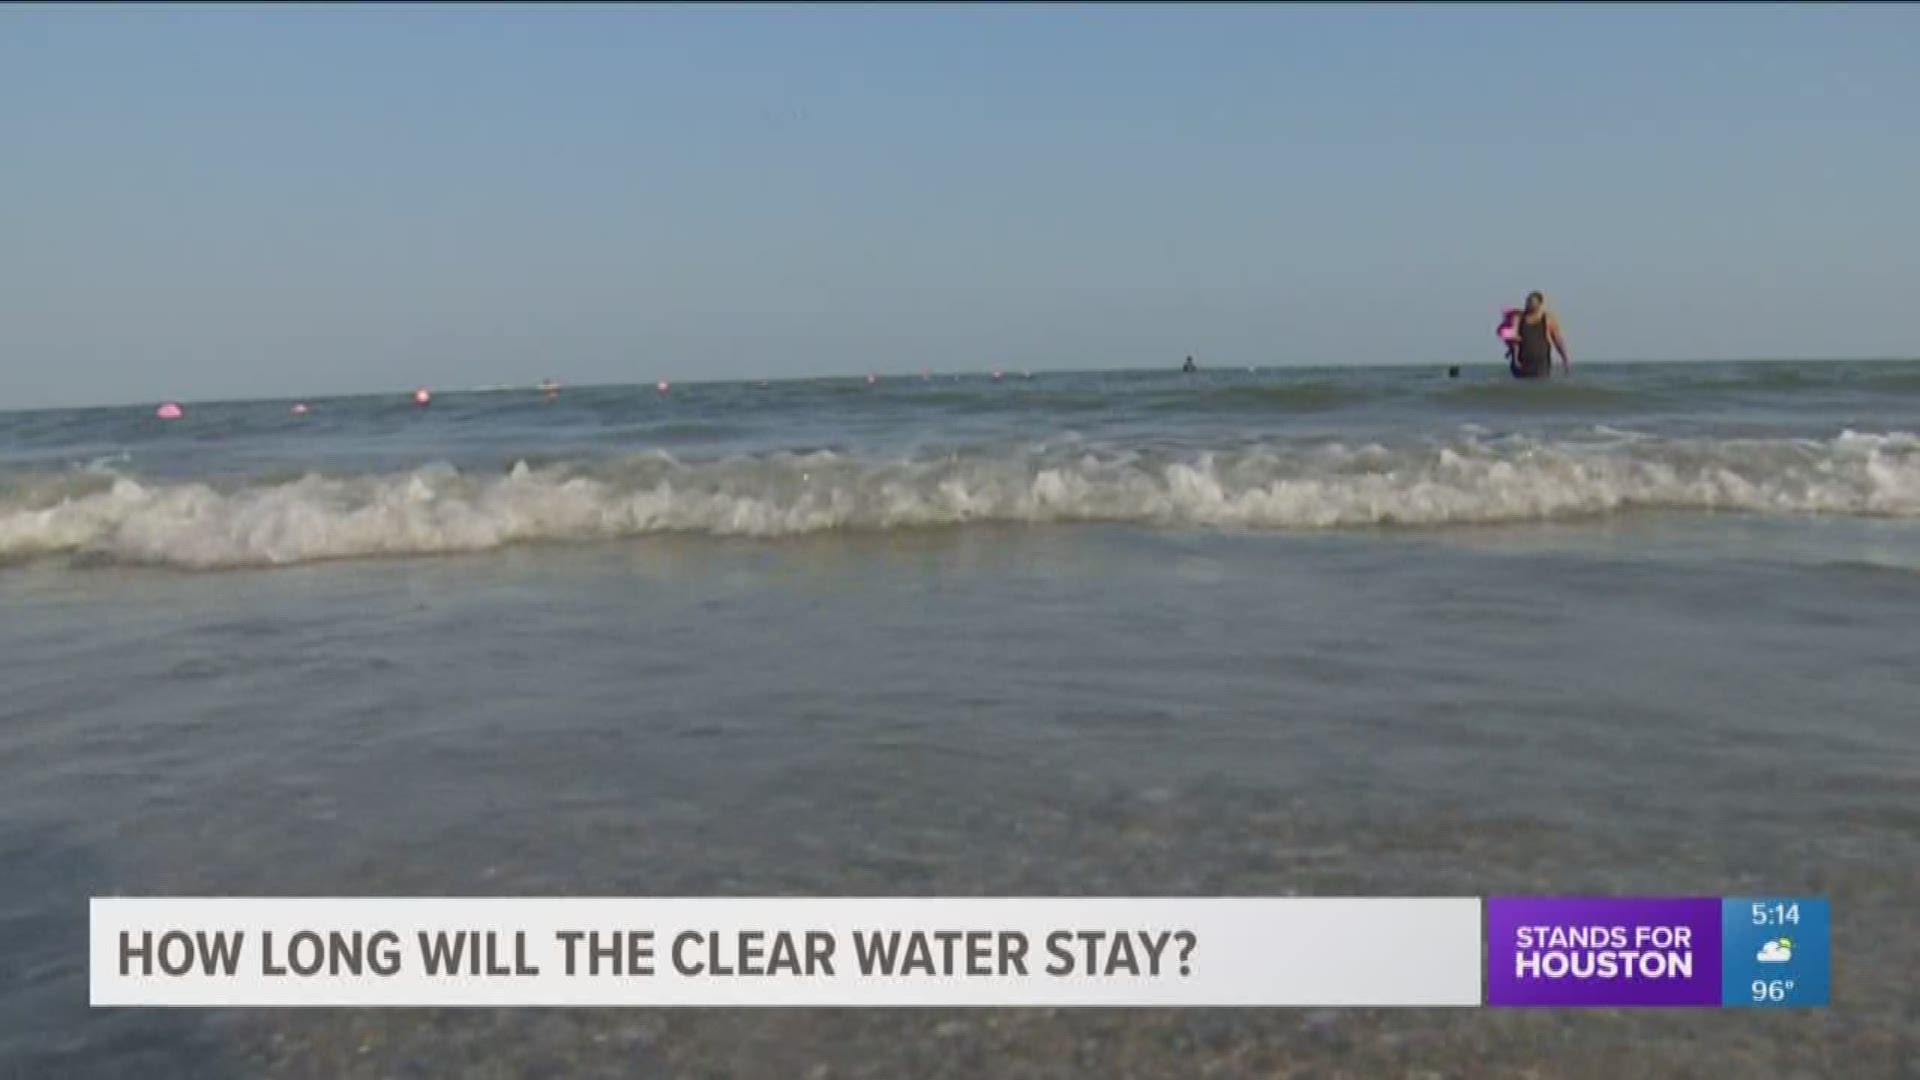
<point x="1268" y="486"/>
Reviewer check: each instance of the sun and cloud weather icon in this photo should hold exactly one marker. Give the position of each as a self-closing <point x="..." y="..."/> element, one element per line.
<point x="1777" y="951"/>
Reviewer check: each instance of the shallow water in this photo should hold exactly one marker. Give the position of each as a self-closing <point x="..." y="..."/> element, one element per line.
<point x="1624" y="694"/>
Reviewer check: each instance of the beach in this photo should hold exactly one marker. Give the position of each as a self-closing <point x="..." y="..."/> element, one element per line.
<point x="1285" y="631"/>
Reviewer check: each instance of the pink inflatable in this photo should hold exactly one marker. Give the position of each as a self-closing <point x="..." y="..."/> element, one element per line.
<point x="169" y="411"/>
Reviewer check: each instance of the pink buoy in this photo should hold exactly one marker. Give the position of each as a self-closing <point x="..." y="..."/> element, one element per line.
<point x="996" y="373"/>
<point x="871" y="379"/>
<point x="422" y="397"/>
<point x="661" y="386"/>
<point x="169" y="411"/>
<point x="300" y="409"/>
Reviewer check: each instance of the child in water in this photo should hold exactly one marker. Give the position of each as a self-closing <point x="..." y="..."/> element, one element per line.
<point x="1509" y="332"/>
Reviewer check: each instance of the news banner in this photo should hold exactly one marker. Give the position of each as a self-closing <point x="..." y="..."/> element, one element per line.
<point x="1501" y="952"/>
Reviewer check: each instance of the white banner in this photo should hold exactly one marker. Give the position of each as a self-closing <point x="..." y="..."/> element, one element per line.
<point x="204" y="952"/>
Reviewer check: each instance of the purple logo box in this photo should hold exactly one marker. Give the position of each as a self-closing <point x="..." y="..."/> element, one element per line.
<point x="1605" y="952"/>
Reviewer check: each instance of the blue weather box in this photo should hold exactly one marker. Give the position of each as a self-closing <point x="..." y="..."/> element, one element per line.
<point x="1775" y="952"/>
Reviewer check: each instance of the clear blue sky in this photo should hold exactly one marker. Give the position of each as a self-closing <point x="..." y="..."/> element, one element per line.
<point x="231" y="201"/>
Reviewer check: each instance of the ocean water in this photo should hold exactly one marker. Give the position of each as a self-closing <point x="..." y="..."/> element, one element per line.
<point x="1651" y="630"/>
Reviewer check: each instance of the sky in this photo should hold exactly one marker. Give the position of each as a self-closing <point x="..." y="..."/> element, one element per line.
<point x="257" y="201"/>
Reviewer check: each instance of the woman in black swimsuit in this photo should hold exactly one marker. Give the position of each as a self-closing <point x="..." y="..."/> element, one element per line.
<point x="1539" y="338"/>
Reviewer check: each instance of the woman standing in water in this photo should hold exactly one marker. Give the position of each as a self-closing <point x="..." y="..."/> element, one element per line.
<point x="1539" y="337"/>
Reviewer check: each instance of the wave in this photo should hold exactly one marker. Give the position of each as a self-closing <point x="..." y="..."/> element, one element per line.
<point x="1470" y="478"/>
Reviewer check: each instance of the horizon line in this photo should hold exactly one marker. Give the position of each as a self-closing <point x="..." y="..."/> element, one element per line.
<point x="536" y="387"/>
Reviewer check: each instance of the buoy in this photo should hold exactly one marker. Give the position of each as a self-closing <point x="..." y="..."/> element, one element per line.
<point x="169" y="411"/>
<point x="300" y="409"/>
<point x="926" y="376"/>
<point x="422" y="397"/>
<point x="996" y="373"/>
<point x="872" y="379"/>
<point x="661" y="386"/>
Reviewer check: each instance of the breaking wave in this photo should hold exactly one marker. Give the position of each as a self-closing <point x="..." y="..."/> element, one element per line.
<point x="1275" y="485"/>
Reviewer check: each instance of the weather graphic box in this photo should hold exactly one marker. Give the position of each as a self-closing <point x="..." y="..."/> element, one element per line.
<point x="1778" y="951"/>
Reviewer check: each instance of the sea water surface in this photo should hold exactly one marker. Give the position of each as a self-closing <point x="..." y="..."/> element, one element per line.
<point x="1650" y="630"/>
